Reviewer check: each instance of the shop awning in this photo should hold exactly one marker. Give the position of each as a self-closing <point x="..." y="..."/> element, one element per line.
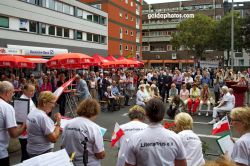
<point x="38" y="60"/>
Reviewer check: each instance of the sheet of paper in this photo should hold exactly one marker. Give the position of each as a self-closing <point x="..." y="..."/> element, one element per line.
<point x="21" y="109"/>
<point x="226" y="144"/>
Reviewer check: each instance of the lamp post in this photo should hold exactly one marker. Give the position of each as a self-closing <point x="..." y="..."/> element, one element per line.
<point x="232" y="36"/>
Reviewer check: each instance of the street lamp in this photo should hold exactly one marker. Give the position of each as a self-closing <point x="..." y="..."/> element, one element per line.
<point x="232" y="36"/>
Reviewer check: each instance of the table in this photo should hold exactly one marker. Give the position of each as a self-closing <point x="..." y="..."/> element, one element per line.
<point x="230" y="83"/>
<point x="239" y="93"/>
<point x="70" y="101"/>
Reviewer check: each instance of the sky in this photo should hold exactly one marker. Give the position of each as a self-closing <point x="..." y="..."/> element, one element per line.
<point x="161" y="1"/>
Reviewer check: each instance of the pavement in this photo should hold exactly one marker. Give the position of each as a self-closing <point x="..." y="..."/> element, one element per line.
<point x="108" y="119"/>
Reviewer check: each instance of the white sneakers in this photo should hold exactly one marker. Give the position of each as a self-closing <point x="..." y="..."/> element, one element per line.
<point x="212" y="122"/>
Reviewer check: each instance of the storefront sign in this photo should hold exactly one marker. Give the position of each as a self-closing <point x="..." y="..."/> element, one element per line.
<point x="39" y="51"/>
<point x="12" y="51"/>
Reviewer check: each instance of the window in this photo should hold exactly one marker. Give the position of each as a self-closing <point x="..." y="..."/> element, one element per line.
<point x="96" y="18"/>
<point x="126" y="32"/>
<point x="43" y="28"/>
<point x="131" y="3"/>
<point x="52" y="4"/>
<point x="79" y="35"/>
<point x="241" y="62"/>
<point x="132" y="33"/>
<point x="90" y="17"/>
<point x="218" y="17"/>
<point x="126" y="15"/>
<point x="23" y="25"/>
<point x="4" y="22"/>
<point x="51" y="30"/>
<point x="169" y="47"/>
<point x="66" y="9"/>
<point x="120" y="47"/>
<point x="79" y="13"/>
<point x="66" y="32"/>
<point x="120" y="14"/>
<point x="59" y="31"/>
<point x="33" y="26"/>
<point x="102" y="20"/>
<point x="131" y="48"/>
<point x="126" y="47"/>
<point x="89" y="37"/>
<point x="59" y="6"/>
<point x="126" y="1"/>
<point x="132" y="18"/>
<point x="103" y="40"/>
<point x="96" y="38"/>
<point x="32" y="1"/>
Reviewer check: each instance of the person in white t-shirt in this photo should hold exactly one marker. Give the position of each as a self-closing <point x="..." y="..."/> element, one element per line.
<point x="231" y="91"/>
<point x="136" y="115"/>
<point x="8" y="126"/>
<point x="240" y="118"/>
<point x="82" y="133"/>
<point x="155" y="145"/>
<point x="42" y="132"/>
<point x="225" y="105"/>
<point x="191" y="142"/>
<point x="28" y="93"/>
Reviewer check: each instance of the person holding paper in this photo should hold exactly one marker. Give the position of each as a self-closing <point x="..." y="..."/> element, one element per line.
<point x="136" y="115"/>
<point x="8" y="126"/>
<point x="82" y="90"/>
<point x="42" y="132"/>
<point x="240" y="118"/>
<point x="191" y="142"/>
<point x="155" y="146"/>
<point x="28" y="93"/>
<point x="82" y="133"/>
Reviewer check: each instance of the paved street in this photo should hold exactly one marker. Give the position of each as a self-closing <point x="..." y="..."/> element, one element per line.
<point x="108" y="119"/>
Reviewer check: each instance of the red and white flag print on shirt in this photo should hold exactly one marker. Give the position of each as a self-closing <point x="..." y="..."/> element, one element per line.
<point x="117" y="134"/>
<point x="222" y="125"/>
<point x="60" y="90"/>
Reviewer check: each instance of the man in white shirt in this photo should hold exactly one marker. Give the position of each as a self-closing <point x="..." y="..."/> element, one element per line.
<point x="8" y="126"/>
<point x="225" y="105"/>
<point x="136" y="115"/>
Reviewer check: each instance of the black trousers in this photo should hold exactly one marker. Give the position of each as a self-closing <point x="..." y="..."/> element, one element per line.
<point x="23" y="143"/>
<point x="5" y="161"/>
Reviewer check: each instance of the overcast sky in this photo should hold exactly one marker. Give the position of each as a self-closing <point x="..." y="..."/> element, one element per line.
<point x="161" y="1"/>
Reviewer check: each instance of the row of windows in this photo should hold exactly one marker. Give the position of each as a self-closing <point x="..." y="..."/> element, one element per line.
<point x="46" y="29"/>
<point x="126" y="32"/>
<point x="68" y="9"/>
<point x="157" y="48"/>
<point x="158" y="33"/>
<point x="131" y="2"/>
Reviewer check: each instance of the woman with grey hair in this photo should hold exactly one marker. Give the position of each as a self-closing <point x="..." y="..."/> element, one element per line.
<point x="240" y="118"/>
<point x="137" y="116"/>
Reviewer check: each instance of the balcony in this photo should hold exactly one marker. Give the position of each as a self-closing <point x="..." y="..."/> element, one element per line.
<point x="137" y="12"/>
<point x="137" y="40"/>
<point x="168" y="25"/>
<point x="156" y="38"/>
<point x="137" y="26"/>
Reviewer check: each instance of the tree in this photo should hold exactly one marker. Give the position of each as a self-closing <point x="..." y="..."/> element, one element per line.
<point x="222" y="35"/>
<point x="195" y="34"/>
<point x="246" y="33"/>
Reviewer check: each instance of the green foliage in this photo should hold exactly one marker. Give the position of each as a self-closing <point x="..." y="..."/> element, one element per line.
<point x="246" y="32"/>
<point x="195" y="34"/>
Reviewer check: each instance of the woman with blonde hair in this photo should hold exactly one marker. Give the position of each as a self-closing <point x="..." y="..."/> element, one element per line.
<point x="205" y="99"/>
<point x="154" y="91"/>
<point x="240" y="118"/>
<point x="82" y="130"/>
<point x="191" y="142"/>
<point x="42" y="132"/>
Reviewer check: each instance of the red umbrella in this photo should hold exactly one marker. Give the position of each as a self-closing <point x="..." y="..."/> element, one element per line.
<point x="111" y="58"/>
<point x="101" y="61"/>
<point x="123" y="62"/>
<point x="141" y="64"/>
<point x="70" y="61"/>
<point x="12" y="61"/>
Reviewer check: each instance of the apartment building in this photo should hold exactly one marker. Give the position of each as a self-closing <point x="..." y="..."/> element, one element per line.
<point x="48" y="27"/>
<point x="156" y="32"/>
<point x="124" y="26"/>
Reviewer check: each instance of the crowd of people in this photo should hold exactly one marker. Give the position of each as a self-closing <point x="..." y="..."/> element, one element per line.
<point x="143" y="144"/>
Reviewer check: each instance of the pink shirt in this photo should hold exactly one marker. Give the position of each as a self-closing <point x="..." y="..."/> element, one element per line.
<point x="184" y="94"/>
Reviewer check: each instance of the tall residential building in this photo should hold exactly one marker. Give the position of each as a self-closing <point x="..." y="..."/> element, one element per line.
<point x="48" y="27"/>
<point x="156" y="32"/>
<point x="124" y="26"/>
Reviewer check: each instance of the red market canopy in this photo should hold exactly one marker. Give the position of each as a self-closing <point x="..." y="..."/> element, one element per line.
<point x="15" y="61"/>
<point x="70" y="61"/>
<point x="101" y="61"/>
<point x="139" y="63"/>
<point x="38" y="60"/>
<point x="123" y="62"/>
<point x="111" y="58"/>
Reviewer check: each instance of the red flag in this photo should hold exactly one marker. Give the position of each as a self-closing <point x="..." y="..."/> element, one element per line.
<point x="222" y="125"/>
<point x="60" y="90"/>
<point x="117" y="134"/>
<point x="168" y="125"/>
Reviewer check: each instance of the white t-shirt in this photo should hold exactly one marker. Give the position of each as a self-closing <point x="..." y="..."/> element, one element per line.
<point x="75" y="132"/>
<point x="39" y="125"/>
<point x="241" y="150"/>
<point x="155" y="146"/>
<point x="193" y="147"/>
<point x="129" y="129"/>
<point x="140" y="97"/>
<point x="233" y="100"/>
<point x="229" y="100"/>
<point x="24" y="135"/>
<point x="7" y="120"/>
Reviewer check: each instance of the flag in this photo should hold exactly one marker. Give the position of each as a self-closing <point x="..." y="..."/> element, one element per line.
<point x="117" y="134"/>
<point x="168" y="125"/>
<point x="222" y="125"/>
<point x="60" y="90"/>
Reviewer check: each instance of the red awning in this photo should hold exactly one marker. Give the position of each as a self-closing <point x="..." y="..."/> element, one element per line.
<point x="38" y="60"/>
